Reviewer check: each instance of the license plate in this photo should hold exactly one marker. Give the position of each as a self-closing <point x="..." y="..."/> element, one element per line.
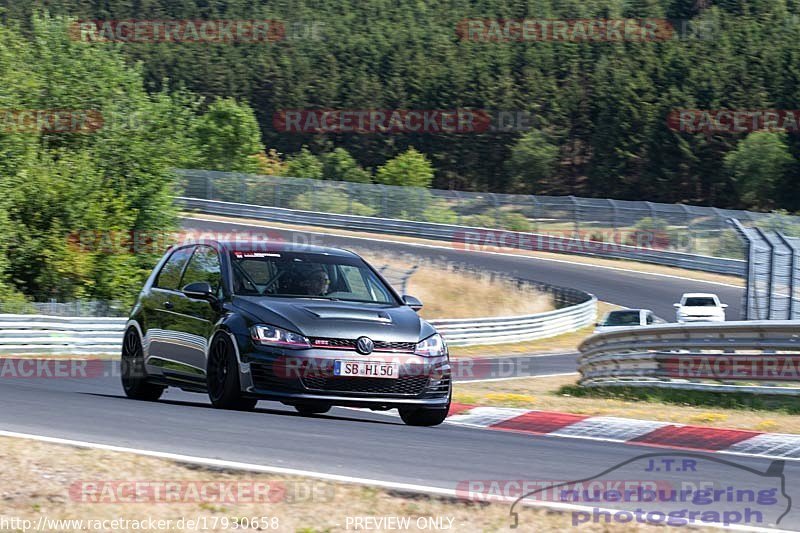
<point x="366" y="369"/>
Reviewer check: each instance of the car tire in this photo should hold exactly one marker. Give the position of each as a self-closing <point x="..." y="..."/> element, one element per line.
<point x="426" y="417"/>
<point x="308" y="409"/>
<point x="222" y="377"/>
<point x="132" y="371"/>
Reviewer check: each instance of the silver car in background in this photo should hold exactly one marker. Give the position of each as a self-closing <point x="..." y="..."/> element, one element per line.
<point x="626" y="318"/>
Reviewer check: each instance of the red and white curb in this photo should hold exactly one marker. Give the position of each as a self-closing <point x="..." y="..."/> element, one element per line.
<point x="628" y="431"/>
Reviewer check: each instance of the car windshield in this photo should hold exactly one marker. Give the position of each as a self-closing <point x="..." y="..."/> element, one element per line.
<point x="307" y="275"/>
<point x="622" y="318"/>
<point x="697" y="301"/>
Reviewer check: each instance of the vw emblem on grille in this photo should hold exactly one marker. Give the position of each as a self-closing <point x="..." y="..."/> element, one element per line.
<point x="364" y="345"/>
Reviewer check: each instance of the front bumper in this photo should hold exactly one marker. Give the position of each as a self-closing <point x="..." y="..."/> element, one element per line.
<point x="296" y="376"/>
<point x="685" y="319"/>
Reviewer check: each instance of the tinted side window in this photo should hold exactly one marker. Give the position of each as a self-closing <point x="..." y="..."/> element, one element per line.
<point x="170" y="274"/>
<point x="203" y="266"/>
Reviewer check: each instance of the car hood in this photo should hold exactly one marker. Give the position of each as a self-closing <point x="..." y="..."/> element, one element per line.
<point x="342" y="320"/>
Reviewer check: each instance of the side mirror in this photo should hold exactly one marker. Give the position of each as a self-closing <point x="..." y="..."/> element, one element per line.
<point x="199" y="290"/>
<point x="724" y="306"/>
<point x="676" y="305"/>
<point x="412" y="302"/>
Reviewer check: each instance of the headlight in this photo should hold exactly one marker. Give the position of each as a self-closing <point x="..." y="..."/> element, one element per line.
<point x="433" y="346"/>
<point x="272" y="336"/>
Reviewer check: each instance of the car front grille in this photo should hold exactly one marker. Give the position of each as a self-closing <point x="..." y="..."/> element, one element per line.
<point x="350" y="344"/>
<point x="396" y="346"/>
<point x="406" y="386"/>
<point x="333" y="343"/>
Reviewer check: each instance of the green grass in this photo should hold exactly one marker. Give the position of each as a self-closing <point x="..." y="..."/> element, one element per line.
<point x="727" y="400"/>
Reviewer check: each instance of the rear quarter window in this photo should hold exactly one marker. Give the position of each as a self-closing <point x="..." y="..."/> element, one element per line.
<point x="169" y="276"/>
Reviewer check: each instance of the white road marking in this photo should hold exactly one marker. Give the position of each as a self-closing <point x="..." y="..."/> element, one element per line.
<point x="392" y="485"/>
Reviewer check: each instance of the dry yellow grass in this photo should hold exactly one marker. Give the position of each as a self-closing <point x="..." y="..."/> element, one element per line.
<point x="449" y="294"/>
<point x="36" y="479"/>
<point x="543" y="395"/>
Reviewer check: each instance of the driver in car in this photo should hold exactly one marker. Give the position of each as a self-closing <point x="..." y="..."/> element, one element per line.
<point x="316" y="282"/>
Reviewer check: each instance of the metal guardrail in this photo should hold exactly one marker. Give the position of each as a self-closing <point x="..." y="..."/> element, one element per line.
<point x="466" y="236"/>
<point x="752" y="356"/>
<point x="477" y="331"/>
<point x="40" y="334"/>
<point x="79" y="308"/>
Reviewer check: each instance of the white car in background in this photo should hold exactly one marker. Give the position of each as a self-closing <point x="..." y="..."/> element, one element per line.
<point x="700" y="307"/>
<point x="626" y="318"/>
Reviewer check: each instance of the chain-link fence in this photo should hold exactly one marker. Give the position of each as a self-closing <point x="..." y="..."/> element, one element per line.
<point x="398" y="277"/>
<point x="676" y="227"/>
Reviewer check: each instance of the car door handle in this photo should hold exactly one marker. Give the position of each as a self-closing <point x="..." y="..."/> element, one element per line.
<point x="168" y="305"/>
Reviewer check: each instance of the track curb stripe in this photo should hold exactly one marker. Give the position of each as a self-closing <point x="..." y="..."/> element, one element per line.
<point x="628" y="431"/>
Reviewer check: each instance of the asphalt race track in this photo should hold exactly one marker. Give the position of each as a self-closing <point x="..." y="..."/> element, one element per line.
<point x="344" y="442"/>
<point x="621" y="287"/>
<point x="378" y="446"/>
<point x="488" y="368"/>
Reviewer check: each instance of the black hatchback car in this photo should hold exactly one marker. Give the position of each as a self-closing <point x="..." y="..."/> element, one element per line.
<point x="307" y="326"/>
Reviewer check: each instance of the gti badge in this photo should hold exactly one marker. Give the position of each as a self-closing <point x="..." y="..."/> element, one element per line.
<point x="364" y="345"/>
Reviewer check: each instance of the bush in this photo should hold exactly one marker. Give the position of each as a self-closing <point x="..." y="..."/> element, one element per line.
<point x="479" y="221"/>
<point x="330" y="202"/>
<point x="339" y="165"/>
<point x="514" y="222"/>
<point x="439" y="213"/>
<point x="757" y="165"/>
<point x="117" y="180"/>
<point x="505" y="220"/>
<point x="304" y="165"/>
<point x="228" y="138"/>
<point x="728" y="244"/>
<point x="409" y="169"/>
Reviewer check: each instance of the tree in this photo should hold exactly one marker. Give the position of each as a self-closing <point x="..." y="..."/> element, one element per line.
<point x="228" y="137"/>
<point x="410" y="169"/>
<point x="757" y="165"/>
<point x="339" y="165"/>
<point x="533" y="161"/>
<point x="73" y="202"/>
<point x="304" y="165"/>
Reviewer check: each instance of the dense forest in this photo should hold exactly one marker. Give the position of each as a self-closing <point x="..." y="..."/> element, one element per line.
<point x="600" y="109"/>
<point x="600" y="112"/>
